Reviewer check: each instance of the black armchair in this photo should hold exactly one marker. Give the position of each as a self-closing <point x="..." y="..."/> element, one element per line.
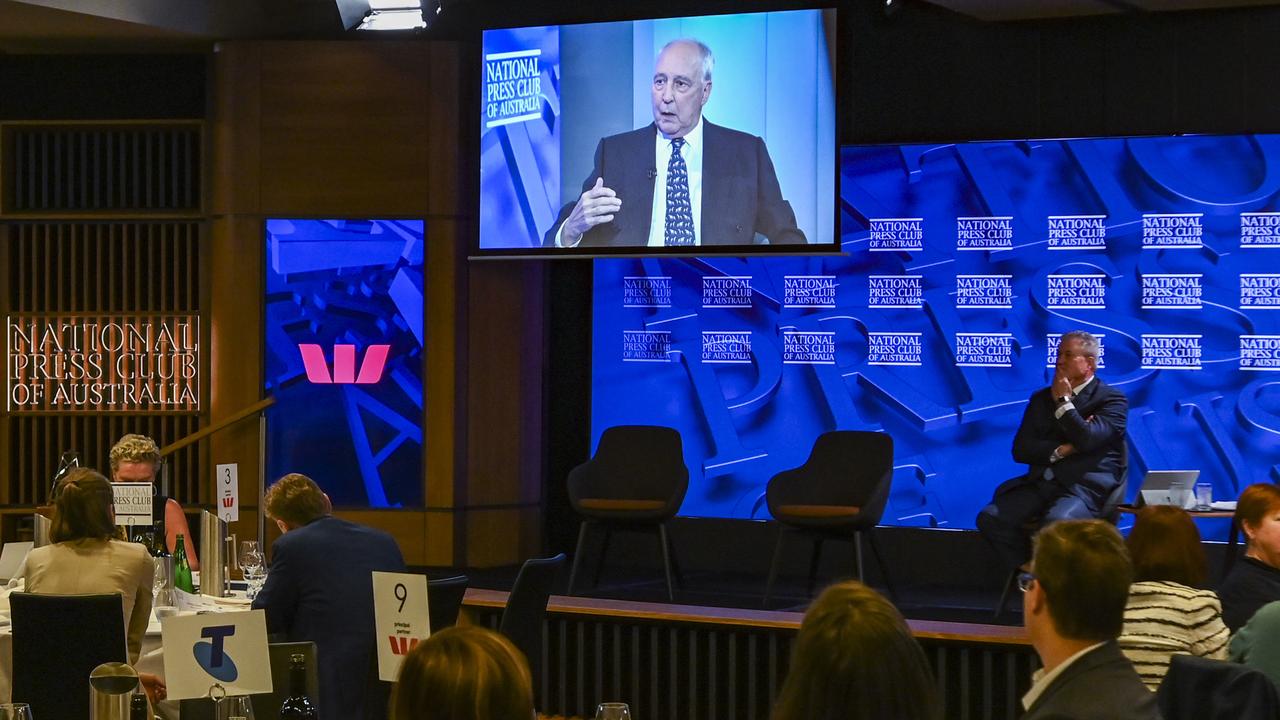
<point x="636" y="481"/>
<point x="839" y="493"/>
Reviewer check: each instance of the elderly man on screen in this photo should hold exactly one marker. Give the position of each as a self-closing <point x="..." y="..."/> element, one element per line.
<point x="320" y="588"/>
<point x="1072" y="440"/>
<point x="681" y="181"/>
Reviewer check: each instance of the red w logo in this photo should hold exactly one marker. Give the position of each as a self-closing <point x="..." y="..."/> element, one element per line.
<point x="344" y="364"/>
<point x="400" y="644"/>
<point x="226" y="502"/>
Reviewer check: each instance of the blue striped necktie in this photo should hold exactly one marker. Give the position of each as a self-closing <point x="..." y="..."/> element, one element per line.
<point x="679" y="211"/>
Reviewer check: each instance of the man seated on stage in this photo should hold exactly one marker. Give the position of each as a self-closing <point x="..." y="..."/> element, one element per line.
<point x="679" y="181"/>
<point x="136" y="458"/>
<point x="320" y="588"/>
<point x="1072" y="439"/>
<point x="1073" y="608"/>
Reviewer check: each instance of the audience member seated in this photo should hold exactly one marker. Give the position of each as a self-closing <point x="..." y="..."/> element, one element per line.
<point x="1073" y="607"/>
<point x="85" y="559"/>
<point x="320" y="588"/>
<point x="463" y="673"/>
<point x="1254" y="580"/>
<point x="1257" y="644"/>
<point x="855" y="658"/>
<point x="1166" y="614"/>
<point x="135" y="458"/>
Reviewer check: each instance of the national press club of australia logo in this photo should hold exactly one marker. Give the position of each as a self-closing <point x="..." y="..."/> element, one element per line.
<point x="895" y="234"/>
<point x="1171" y="351"/>
<point x="894" y="348"/>
<point x="809" y="291"/>
<point x="808" y="347"/>
<point x="1172" y="231"/>
<point x="721" y="347"/>
<point x="1260" y="352"/>
<point x="1259" y="291"/>
<point x="989" y="232"/>
<point x="895" y="291"/>
<point x="726" y="291"/>
<point x="646" y="346"/>
<point x="646" y="292"/>
<point x="1260" y="230"/>
<point x="984" y="291"/>
<point x="1077" y="232"/>
<point x="984" y="350"/>
<point x="1077" y="292"/>
<point x="1172" y="291"/>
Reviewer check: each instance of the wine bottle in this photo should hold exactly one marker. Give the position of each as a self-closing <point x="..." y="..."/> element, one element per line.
<point x="159" y="547"/>
<point x="182" y="567"/>
<point x="298" y="706"/>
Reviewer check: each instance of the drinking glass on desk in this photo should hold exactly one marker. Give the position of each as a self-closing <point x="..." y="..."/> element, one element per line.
<point x="613" y="711"/>
<point x="234" y="707"/>
<point x="15" y="711"/>
<point x="251" y="565"/>
<point x="1204" y="497"/>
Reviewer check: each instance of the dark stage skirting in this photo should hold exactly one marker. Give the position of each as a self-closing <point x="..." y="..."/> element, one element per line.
<point x="713" y="663"/>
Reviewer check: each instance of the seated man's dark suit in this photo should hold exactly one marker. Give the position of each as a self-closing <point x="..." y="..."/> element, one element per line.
<point x="740" y="192"/>
<point x="1099" y="685"/>
<point x="320" y="588"/>
<point x="1075" y="487"/>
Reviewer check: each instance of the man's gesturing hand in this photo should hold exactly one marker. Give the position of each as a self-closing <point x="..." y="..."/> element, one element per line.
<point x="596" y="207"/>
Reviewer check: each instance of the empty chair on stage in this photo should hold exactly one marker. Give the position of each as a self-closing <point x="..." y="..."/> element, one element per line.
<point x="636" y="480"/>
<point x="838" y="493"/>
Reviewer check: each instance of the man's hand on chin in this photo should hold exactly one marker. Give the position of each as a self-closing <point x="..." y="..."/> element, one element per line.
<point x="1061" y="387"/>
<point x="596" y="206"/>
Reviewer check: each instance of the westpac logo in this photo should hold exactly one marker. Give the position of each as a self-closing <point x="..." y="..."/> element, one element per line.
<point x="212" y="656"/>
<point x="344" y="364"/>
<point x="401" y="645"/>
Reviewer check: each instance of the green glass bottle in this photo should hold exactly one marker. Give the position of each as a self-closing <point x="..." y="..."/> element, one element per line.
<point x="182" y="567"/>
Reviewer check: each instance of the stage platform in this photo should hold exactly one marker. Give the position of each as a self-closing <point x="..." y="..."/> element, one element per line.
<point x="697" y="662"/>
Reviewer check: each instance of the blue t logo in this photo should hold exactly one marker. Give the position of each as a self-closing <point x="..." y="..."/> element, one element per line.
<point x="212" y="657"/>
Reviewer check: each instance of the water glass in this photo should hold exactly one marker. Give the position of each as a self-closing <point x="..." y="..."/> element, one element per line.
<point x="15" y="711"/>
<point x="613" y="711"/>
<point x="251" y="564"/>
<point x="1204" y="496"/>
<point x="234" y="707"/>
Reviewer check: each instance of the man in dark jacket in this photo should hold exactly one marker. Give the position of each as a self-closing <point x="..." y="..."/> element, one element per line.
<point x="1072" y="440"/>
<point x="320" y="588"/>
<point x="1073" y="607"/>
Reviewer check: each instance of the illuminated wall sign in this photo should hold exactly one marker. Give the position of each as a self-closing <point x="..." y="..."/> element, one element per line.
<point x="102" y="363"/>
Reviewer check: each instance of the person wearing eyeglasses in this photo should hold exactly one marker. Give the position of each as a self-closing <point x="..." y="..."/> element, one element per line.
<point x="1072" y="439"/>
<point x="1073" y="604"/>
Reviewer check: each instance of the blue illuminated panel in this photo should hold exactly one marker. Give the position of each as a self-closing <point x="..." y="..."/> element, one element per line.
<point x="964" y="263"/>
<point x="344" y="348"/>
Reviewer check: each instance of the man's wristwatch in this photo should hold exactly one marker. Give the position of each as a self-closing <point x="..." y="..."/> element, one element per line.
<point x="1064" y="399"/>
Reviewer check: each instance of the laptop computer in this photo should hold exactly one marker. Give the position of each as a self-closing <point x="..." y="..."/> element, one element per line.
<point x="1169" y="487"/>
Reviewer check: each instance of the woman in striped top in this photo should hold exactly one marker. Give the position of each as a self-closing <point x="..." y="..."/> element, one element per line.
<point x="1167" y="614"/>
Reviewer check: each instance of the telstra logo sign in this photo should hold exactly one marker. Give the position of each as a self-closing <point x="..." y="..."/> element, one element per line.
<point x="212" y="657"/>
<point x="344" y="364"/>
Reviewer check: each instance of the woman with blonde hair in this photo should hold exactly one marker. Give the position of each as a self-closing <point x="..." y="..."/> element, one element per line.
<point x="855" y="659"/>
<point x="463" y="673"/>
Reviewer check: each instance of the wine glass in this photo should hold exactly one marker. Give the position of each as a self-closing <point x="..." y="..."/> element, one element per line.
<point x="613" y="711"/>
<point x="162" y="588"/>
<point x="15" y="711"/>
<point x="251" y="565"/>
<point x="234" y="707"/>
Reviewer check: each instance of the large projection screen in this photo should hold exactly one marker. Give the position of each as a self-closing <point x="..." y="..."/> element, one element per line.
<point x="964" y="263"/>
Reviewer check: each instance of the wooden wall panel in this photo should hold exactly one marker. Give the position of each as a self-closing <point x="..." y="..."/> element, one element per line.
<point x="362" y="129"/>
<point x="343" y="128"/>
